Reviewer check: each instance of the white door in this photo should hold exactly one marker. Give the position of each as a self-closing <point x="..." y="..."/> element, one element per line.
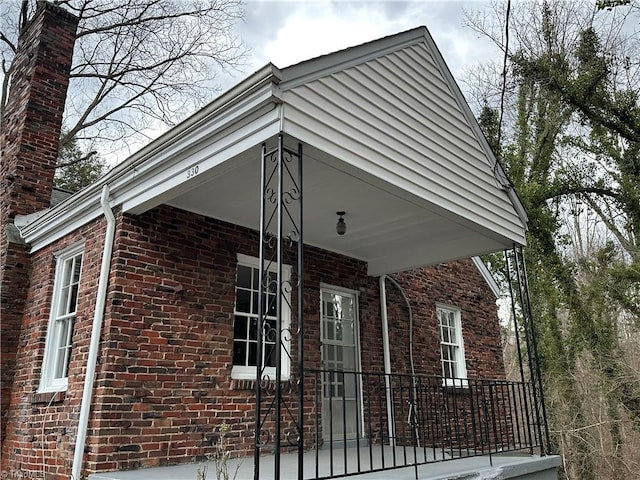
<point x="340" y="356"/>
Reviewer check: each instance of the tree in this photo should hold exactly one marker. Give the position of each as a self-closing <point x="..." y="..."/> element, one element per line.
<point x="77" y="169"/>
<point x="571" y="147"/>
<point x="139" y="65"/>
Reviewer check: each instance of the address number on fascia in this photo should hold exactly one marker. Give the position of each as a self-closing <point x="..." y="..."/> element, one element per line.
<point x="193" y="171"/>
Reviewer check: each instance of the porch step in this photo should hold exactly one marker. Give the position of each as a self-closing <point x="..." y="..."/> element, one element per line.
<point x="504" y="467"/>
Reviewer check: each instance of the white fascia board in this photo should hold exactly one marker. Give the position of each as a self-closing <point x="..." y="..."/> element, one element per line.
<point x="318" y="67"/>
<point x="502" y="180"/>
<point x="199" y="168"/>
<point x="184" y="165"/>
<point x="487" y="275"/>
<point x="422" y="255"/>
<point x="255" y="92"/>
<point x="232" y="117"/>
<point x="75" y="212"/>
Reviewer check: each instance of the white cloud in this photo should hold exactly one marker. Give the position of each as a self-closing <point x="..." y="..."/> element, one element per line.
<point x="288" y="32"/>
<point x="322" y="28"/>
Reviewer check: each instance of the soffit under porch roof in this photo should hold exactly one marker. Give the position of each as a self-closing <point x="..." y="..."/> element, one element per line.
<point x="389" y="228"/>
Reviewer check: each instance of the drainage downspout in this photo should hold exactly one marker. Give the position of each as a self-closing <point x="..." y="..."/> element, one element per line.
<point x="98" y="316"/>
<point x="408" y="303"/>
<point x="386" y="355"/>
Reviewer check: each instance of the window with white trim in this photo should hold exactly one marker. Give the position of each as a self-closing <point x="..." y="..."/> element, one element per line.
<point x="64" y="304"/>
<point x="245" y="323"/>
<point x="451" y="345"/>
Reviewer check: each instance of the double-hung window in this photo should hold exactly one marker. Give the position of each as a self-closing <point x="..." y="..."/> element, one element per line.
<point x="454" y="369"/>
<point x="245" y="323"/>
<point x="63" y="315"/>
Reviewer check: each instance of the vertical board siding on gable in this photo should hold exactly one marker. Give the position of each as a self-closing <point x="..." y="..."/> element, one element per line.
<point x="396" y="117"/>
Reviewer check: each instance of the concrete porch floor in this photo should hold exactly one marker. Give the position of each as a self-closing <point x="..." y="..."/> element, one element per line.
<point x="505" y="466"/>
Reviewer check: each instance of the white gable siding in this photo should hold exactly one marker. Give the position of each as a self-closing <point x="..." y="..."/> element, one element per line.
<point x="396" y="118"/>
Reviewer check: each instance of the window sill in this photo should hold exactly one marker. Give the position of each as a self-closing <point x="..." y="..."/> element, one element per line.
<point x="249" y="374"/>
<point x="455" y="384"/>
<point x="48" y="397"/>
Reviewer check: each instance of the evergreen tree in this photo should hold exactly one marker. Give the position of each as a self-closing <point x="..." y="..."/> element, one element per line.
<point x="77" y="169"/>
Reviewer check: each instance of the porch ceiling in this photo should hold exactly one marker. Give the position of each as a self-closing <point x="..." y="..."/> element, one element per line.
<point x="387" y="227"/>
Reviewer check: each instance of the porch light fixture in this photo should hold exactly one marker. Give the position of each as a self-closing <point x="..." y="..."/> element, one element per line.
<point x="341" y="227"/>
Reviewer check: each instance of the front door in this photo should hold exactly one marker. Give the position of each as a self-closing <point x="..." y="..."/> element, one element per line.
<point x="340" y="360"/>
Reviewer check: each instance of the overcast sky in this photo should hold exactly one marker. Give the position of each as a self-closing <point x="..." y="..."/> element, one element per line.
<point x="287" y="32"/>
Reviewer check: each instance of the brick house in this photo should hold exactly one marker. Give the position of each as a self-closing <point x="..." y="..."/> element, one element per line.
<point x="138" y="313"/>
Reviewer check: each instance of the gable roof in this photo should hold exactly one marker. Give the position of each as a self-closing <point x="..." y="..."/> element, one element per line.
<point x="384" y="126"/>
<point x="385" y="83"/>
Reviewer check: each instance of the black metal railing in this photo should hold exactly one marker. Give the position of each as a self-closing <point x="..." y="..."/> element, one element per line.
<point x="365" y="422"/>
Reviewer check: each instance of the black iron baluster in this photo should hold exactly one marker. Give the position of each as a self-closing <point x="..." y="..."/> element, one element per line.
<point x="508" y="418"/>
<point x="344" y="421"/>
<point x="484" y="420"/>
<point x="402" y="402"/>
<point x="493" y="447"/>
<point x="456" y="420"/>
<point x="513" y="408"/>
<point x="331" y="387"/>
<point x="318" y="390"/>
<point x="369" y="424"/>
<point x="381" y="421"/>
<point x="509" y="273"/>
<point x="358" y="379"/>
<point x="473" y="386"/>
<point x="518" y="406"/>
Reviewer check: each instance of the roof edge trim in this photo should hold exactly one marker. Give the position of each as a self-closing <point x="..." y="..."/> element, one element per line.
<point x="86" y="201"/>
<point x="317" y="67"/>
<point x="498" y="171"/>
<point x="487" y="275"/>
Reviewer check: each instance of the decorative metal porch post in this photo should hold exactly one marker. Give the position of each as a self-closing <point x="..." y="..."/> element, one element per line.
<point x="281" y="243"/>
<point x="517" y="273"/>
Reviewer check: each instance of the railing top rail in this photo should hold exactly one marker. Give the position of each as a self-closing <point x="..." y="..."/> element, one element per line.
<point x="440" y="378"/>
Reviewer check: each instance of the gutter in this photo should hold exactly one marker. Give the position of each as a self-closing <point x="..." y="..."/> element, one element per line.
<point x="94" y="344"/>
<point x="80" y="207"/>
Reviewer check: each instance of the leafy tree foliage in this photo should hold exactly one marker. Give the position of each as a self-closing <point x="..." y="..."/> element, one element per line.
<point x="571" y="146"/>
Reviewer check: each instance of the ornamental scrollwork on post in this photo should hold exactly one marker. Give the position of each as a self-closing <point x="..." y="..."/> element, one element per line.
<point x="278" y="408"/>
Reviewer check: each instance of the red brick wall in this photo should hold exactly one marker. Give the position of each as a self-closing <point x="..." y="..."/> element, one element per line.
<point x="29" y="136"/>
<point x="41" y="427"/>
<point x="458" y="284"/>
<point x="163" y="383"/>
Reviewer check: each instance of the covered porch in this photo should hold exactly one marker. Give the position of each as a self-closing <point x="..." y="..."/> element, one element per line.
<point x="415" y="184"/>
<point x="381" y="133"/>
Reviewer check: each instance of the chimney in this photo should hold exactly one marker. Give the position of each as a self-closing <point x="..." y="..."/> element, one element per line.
<point x="33" y="115"/>
<point x="29" y="138"/>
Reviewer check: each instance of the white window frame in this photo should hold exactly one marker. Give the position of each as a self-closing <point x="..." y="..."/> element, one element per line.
<point x="460" y="378"/>
<point x="48" y="381"/>
<point x="248" y="372"/>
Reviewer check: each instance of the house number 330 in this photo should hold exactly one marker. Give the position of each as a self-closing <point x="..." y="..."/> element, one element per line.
<point x="193" y="171"/>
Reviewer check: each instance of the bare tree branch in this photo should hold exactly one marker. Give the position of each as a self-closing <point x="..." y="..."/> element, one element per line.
<point x="153" y="60"/>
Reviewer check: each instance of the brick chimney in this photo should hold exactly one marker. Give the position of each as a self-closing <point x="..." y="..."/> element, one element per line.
<point x="29" y="140"/>
<point x="33" y="116"/>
